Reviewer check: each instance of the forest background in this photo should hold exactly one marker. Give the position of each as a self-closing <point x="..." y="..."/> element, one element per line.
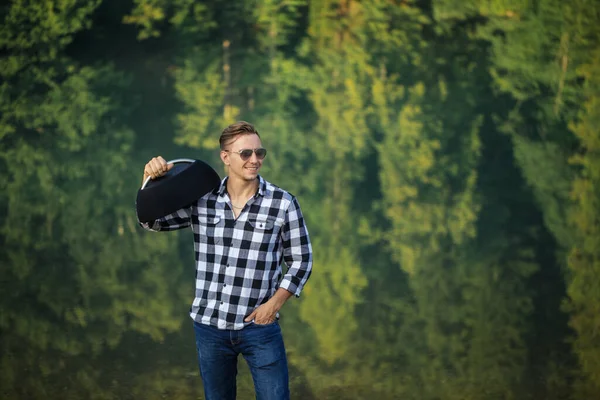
<point x="446" y="155"/>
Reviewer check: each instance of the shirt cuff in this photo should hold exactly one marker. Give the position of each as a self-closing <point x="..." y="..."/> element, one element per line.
<point x="150" y="226"/>
<point x="287" y="284"/>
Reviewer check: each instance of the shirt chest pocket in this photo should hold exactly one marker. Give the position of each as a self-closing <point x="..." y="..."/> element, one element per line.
<point x="262" y="233"/>
<point x="262" y="224"/>
<point x="210" y="228"/>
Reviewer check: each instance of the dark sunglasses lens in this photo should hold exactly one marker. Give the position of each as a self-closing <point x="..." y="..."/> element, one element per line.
<point x="246" y="154"/>
<point x="260" y="153"/>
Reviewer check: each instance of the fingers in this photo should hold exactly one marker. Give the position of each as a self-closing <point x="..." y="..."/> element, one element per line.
<point x="157" y="167"/>
<point x="261" y="316"/>
<point x="264" y="321"/>
<point x="251" y="316"/>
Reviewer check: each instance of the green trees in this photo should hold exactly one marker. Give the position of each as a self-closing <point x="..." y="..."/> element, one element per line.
<point x="583" y="261"/>
<point x="76" y="272"/>
<point x="444" y="154"/>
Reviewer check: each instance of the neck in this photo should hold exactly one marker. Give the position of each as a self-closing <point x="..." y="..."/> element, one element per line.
<point x="241" y="189"/>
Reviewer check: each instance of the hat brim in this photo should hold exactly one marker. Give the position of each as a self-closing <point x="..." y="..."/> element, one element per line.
<point x="183" y="185"/>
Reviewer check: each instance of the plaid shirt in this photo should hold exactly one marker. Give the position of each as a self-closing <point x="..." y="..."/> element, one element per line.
<point x="238" y="261"/>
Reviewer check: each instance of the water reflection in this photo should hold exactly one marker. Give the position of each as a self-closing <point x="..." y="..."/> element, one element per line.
<point x="375" y="343"/>
<point x="444" y="154"/>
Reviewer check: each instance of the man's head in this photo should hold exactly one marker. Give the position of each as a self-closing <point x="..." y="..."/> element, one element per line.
<point x="234" y="131"/>
<point x="241" y="150"/>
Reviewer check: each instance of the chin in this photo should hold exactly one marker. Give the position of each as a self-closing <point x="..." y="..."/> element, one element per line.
<point x="249" y="175"/>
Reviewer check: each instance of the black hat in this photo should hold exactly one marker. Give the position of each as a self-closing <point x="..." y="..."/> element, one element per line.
<point x="185" y="183"/>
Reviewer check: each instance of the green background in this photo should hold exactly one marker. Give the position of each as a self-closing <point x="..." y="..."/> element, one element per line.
<point x="446" y="155"/>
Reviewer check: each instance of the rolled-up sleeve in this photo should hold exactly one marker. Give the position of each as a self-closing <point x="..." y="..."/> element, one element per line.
<point x="181" y="218"/>
<point x="297" y="250"/>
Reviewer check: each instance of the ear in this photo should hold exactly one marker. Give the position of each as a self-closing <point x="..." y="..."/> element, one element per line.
<point x="224" y="157"/>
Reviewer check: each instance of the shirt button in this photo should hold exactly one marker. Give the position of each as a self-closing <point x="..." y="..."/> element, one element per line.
<point x="221" y="302"/>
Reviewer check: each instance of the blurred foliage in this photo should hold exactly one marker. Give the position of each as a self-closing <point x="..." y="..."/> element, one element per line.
<point x="445" y="155"/>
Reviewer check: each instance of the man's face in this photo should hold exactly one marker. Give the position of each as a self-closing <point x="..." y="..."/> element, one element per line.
<point x="248" y="169"/>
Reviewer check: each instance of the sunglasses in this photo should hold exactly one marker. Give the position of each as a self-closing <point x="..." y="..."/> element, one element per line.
<point x="245" y="154"/>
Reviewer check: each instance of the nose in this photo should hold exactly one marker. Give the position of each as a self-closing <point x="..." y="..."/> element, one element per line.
<point x="253" y="158"/>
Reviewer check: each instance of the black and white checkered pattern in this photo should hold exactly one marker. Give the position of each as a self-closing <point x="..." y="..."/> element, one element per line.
<point x="238" y="261"/>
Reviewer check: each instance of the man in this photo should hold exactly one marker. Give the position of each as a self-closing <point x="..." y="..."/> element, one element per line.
<point x="243" y="230"/>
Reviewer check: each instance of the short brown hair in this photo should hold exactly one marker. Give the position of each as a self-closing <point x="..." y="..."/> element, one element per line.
<point x="234" y="130"/>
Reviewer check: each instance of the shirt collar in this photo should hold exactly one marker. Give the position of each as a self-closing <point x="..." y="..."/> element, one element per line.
<point x="262" y="187"/>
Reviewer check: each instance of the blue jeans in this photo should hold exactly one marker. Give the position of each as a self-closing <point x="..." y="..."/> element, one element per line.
<point x="262" y="348"/>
